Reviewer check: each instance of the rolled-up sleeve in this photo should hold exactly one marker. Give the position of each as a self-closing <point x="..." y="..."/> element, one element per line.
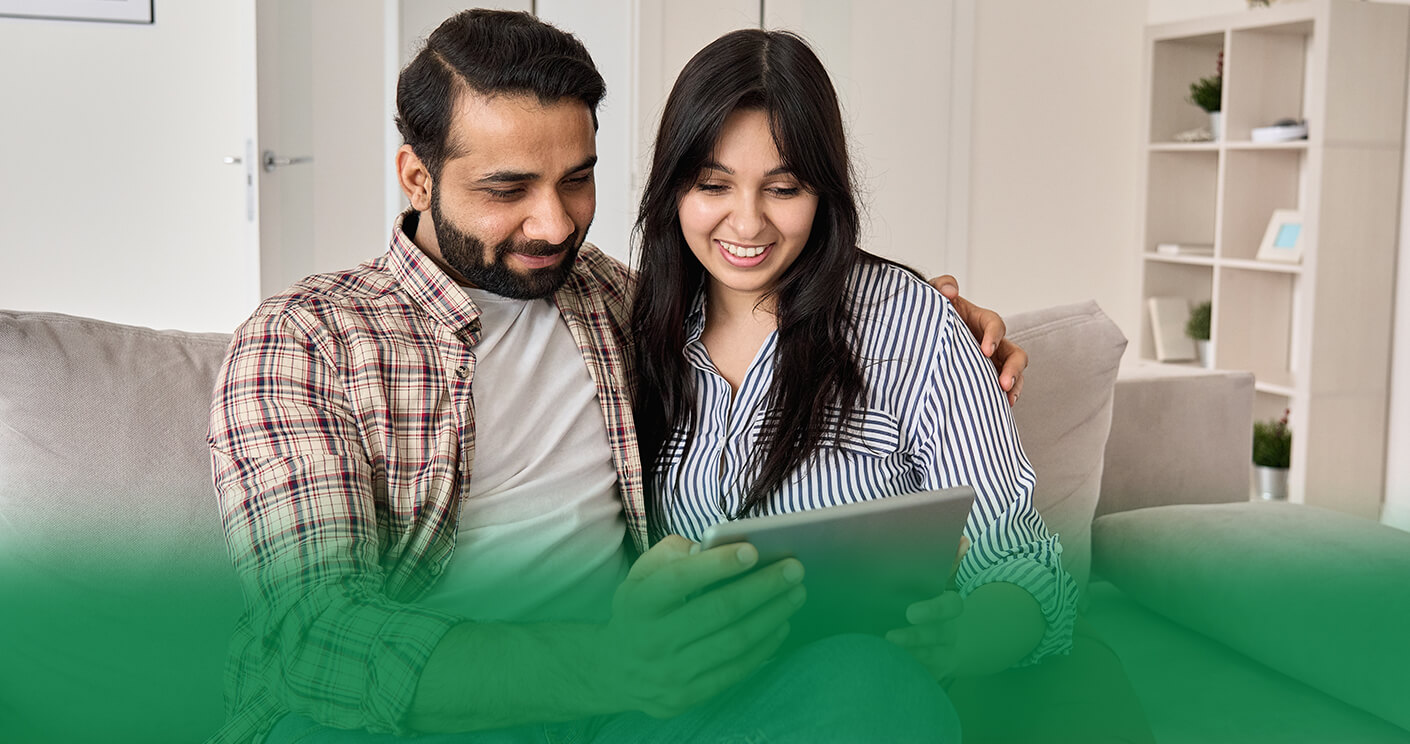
<point x="296" y="493"/>
<point x="971" y="440"/>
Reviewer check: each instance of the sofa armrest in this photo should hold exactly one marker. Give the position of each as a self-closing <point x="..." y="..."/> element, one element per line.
<point x="1179" y="435"/>
<point x="1314" y="594"/>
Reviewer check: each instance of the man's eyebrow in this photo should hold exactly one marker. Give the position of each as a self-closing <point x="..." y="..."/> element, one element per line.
<point x="782" y="170"/>
<point x="508" y="177"/>
<point x="589" y="162"/>
<point x="522" y="176"/>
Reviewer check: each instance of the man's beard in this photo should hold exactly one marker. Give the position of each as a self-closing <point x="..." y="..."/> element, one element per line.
<point x="466" y="254"/>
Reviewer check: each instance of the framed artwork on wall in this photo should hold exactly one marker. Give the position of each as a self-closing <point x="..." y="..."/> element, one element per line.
<point x="1282" y="241"/>
<point x="116" y="11"/>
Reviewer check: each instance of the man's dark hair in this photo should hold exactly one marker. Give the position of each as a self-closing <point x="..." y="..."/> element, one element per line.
<point x="489" y="52"/>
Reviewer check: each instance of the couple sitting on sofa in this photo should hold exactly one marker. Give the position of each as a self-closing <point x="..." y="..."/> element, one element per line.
<point x="429" y="466"/>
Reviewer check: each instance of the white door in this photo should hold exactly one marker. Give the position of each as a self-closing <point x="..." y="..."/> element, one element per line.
<point x="326" y="79"/>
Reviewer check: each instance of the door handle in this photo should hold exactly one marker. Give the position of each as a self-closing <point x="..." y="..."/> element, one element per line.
<point x="272" y="161"/>
<point x="248" y="161"/>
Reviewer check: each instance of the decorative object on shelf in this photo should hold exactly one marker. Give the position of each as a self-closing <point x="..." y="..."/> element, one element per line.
<point x="1283" y="130"/>
<point x="1184" y="249"/>
<point x="1207" y="93"/>
<point x="121" y="11"/>
<point x="1197" y="328"/>
<point x="1168" y="318"/>
<point x="1282" y="241"/>
<point x="1272" y="456"/>
<point x="1198" y="134"/>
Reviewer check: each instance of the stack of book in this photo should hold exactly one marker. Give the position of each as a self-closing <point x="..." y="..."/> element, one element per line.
<point x="1184" y="249"/>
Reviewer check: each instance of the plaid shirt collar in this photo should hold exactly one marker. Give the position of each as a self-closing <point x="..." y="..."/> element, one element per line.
<point x="428" y="284"/>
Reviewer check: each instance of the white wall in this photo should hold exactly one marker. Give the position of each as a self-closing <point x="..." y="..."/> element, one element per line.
<point x="1054" y="155"/>
<point x="1166" y="11"/>
<point x="893" y="64"/>
<point x="113" y="195"/>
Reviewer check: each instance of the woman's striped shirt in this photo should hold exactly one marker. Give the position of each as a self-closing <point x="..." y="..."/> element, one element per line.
<point x="933" y="417"/>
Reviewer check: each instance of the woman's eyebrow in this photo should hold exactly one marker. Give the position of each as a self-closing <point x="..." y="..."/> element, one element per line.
<point x="782" y="170"/>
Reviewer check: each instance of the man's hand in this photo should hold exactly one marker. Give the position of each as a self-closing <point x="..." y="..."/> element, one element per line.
<point x="933" y="634"/>
<point x="988" y="329"/>
<point x="686" y="627"/>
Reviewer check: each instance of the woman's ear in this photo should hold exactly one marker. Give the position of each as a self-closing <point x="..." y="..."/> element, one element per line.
<point x="414" y="178"/>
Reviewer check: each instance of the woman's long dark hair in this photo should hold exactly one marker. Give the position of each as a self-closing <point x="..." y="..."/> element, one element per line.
<point x="817" y="380"/>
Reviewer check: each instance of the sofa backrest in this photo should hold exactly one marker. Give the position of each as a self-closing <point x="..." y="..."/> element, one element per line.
<point x="117" y="599"/>
<point x="1064" y="415"/>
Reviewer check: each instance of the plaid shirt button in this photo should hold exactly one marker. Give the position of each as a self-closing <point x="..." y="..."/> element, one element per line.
<point x="462" y="371"/>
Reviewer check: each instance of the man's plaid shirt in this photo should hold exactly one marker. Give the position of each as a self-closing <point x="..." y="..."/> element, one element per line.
<point x="341" y="432"/>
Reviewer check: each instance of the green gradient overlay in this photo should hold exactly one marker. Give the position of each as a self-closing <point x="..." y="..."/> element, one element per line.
<point x="1253" y="651"/>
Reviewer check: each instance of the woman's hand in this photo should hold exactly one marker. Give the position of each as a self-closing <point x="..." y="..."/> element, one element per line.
<point x="986" y="632"/>
<point x="933" y="636"/>
<point x="988" y="329"/>
<point x="688" y="625"/>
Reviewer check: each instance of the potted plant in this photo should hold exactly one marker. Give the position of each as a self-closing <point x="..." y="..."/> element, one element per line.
<point x="1272" y="453"/>
<point x="1208" y="93"/>
<point x="1197" y="328"/>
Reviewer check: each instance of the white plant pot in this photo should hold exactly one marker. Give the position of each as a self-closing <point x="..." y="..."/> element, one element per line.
<point x="1271" y="484"/>
<point x="1206" y="355"/>
<point x="1216" y="124"/>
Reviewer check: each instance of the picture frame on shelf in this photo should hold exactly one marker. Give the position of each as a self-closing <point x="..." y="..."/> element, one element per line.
<point x="1169" y="316"/>
<point x="112" y="11"/>
<point x="1282" y="241"/>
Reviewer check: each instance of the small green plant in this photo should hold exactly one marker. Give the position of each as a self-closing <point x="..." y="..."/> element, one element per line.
<point x="1197" y="327"/>
<point x="1272" y="443"/>
<point x="1207" y="92"/>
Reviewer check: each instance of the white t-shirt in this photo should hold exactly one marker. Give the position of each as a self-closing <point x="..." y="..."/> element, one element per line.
<point x="541" y="526"/>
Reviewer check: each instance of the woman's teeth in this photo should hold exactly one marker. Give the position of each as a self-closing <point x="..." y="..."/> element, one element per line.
<point x="744" y="251"/>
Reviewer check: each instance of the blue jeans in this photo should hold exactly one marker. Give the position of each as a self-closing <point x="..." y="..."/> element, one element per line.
<point x="849" y="688"/>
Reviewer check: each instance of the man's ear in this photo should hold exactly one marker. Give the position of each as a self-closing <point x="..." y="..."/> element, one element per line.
<point x="414" y="178"/>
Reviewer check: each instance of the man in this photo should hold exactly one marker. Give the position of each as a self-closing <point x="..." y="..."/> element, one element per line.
<point x="430" y="486"/>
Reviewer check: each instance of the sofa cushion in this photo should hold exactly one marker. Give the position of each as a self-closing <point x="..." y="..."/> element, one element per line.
<point x="116" y="595"/>
<point x="1315" y="594"/>
<point x="1064" y="414"/>
<point x="1166" y="416"/>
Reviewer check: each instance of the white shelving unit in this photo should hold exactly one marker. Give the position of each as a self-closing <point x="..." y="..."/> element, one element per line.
<point x="1317" y="334"/>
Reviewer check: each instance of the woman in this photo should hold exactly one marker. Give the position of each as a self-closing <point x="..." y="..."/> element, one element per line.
<point x="782" y="368"/>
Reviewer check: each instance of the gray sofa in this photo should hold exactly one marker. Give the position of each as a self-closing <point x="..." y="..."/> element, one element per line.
<point x="1234" y="621"/>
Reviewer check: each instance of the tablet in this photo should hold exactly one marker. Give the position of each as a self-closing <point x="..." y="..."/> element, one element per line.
<point x="865" y="563"/>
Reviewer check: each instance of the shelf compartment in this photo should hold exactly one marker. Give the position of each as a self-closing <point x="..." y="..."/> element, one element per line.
<point x="1175" y="63"/>
<point x="1265" y="77"/>
<point x="1181" y="198"/>
<point x="1269" y="405"/>
<point x="1257" y="182"/>
<point x="1253" y="325"/>
<point x="1169" y="279"/>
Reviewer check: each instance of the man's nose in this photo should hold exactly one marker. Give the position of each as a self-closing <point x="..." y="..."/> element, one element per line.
<point x="549" y="221"/>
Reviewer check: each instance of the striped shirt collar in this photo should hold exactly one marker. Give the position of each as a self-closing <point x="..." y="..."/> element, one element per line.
<point x="428" y="285"/>
<point x="695" y="317"/>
